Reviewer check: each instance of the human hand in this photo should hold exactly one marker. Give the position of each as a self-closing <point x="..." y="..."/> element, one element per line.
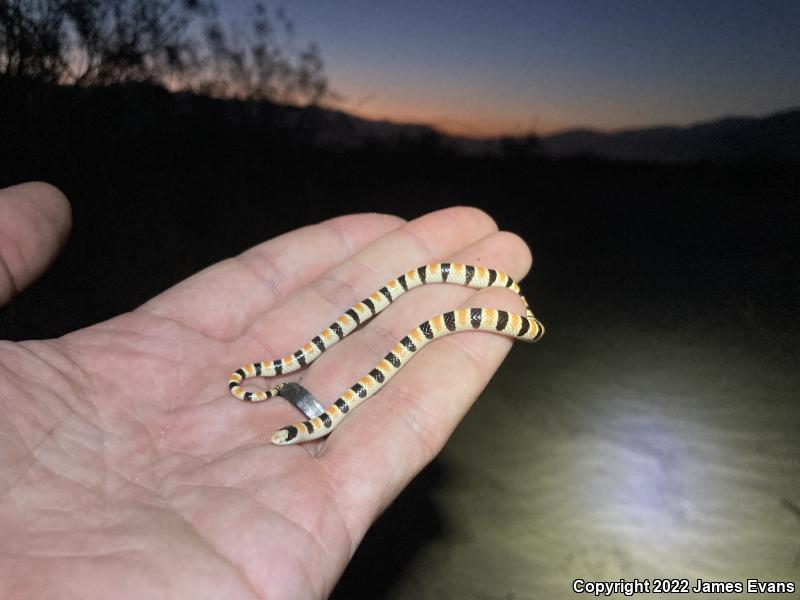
<point x="128" y="470"/>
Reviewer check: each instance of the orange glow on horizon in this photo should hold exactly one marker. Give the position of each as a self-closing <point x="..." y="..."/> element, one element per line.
<point x="479" y="116"/>
<point x="444" y="105"/>
<point x="475" y="125"/>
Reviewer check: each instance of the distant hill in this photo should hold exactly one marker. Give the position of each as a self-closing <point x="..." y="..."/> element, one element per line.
<point x="775" y="137"/>
<point x="337" y="130"/>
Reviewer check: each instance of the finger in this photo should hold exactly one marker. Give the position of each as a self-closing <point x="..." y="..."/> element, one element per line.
<point x="282" y="330"/>
<point x="404" y="426"/>
<point x="35" y="219"/>
<point x="223" y="299"/>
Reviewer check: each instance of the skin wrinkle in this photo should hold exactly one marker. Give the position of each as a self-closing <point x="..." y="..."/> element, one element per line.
<point x="103" y="455"/>
<point x="520" y="241"/>
<point x="11" y="246"/>
<point x="425" y="435"/>
<point x="65" y="511"/>
<point x="343" y="283"/>
<point x="31" y="452"/>
<point x="319" y="291"/>
<point x="46" y="431"/>
<point x="315" y="450"/>
<point x="384" y="334"/>
<point x="63" y="473"/>
<point x="470" y="352"/>
<point x="140" y="333"/>
<point x="331" y="484"/>
<point x="167" y="489"/>
<point x="31" y="462"/>
<point x="347" y="243"/>
<point x="41" y="550"/>
<point x="77" y="373"/>
<point x="329" y="295"/>
<point x="302" y="372"/>
<point x="77" y="453"/>
<point x="270" y="282"/>
<point x="127" y="480"/>
<point x="357" y="522"/>
<point x="25" y="412"/>
<point x="265" y="350"/>
<point x="272" y="275"/>
<point x="136" y="556"/>
<point x="34" y="348"/>
<point x="403" y="231"/>
<point x="139" y="480"/>
<point x="115" y="494"/>
<point x="241" y="262"/>
<point x="211" y="546"/>
<point x="134" y="347"/>
<point x="300" y="560"/>
<point x="71" y="413"/>
<point x="197" y="533"/>
<point x="60" y="478"/>
<point x="426" y="249"/>
<point x="155" y="453"/>
<point x="328" y="298"/>
<point x="363" y="267"/>
<point x="8" y="284"/>
<point x="421" y="237"/>
<point x="155" y="314"/>
<point x="127" y="409"/>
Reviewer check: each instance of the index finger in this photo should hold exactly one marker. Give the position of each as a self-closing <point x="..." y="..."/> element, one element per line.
<point x="221" y="300"/>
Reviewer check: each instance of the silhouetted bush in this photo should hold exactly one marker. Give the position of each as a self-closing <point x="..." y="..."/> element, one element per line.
<point x="102" y="42"/>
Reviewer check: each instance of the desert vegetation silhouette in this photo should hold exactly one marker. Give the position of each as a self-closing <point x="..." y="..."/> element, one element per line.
<point x="181" y="45"/>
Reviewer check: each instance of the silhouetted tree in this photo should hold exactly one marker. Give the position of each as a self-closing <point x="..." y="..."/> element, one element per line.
<point x="99" y="42"/>
<point x="260" y="61"/>
<point x="113" y="41"/>
<point x="32" y="39"/>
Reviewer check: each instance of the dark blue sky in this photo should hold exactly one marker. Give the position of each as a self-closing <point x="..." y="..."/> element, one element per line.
<point x="514" y="66"/>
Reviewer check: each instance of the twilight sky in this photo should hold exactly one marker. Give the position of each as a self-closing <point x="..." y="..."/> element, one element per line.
<point x="484" y="68"/>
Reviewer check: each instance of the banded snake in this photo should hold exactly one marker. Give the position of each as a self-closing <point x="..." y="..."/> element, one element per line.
<point x="526" y="328"/>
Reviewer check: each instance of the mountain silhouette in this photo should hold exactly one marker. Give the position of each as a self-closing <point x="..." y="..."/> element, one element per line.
<point x="774" y="138"/>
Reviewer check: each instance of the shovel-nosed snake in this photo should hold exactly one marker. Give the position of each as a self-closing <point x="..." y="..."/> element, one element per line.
<point x="525" y="327"/>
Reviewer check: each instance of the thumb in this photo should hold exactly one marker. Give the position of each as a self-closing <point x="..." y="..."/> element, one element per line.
<point x="35" y="219"/>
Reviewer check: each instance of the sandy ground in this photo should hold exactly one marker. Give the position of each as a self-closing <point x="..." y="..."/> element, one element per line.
<point x="607" y="452"/>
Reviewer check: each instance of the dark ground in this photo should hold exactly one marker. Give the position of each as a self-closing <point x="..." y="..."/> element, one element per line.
<point x="162" y="186"/>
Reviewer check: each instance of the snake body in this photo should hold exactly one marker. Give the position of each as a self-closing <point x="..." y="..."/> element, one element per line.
<point x="526" y="328"/>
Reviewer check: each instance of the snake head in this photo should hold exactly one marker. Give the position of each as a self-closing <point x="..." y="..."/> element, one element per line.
<point x="284" y="436"/>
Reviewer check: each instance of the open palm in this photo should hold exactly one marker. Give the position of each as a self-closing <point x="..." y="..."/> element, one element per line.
<point x="127" y="468"/>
